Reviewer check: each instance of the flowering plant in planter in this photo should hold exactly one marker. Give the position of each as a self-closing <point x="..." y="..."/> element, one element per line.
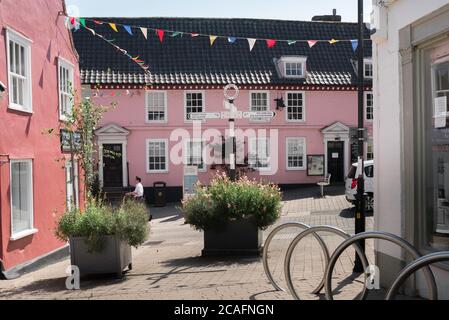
<point x="224" y="201"/>
<point x="129" y="222"/>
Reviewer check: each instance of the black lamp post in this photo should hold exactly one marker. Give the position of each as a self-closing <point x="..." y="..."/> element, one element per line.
<point x="360" y="206"/>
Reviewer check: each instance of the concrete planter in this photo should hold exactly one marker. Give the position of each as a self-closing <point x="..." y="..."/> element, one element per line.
<point x="238" y="238"/>
<point x="113" y="259"/>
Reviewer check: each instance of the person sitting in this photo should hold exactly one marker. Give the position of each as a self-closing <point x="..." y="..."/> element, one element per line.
<point x="137" y="194"/>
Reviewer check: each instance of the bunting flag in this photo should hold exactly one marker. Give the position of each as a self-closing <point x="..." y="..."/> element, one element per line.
<point x="355" y="44"/>
<point x="77" y="22"/>
<point x="160" y="34"/>
<point x="271" y="43"/>
<point x="251" y="43"/>
<point x="312" y="43"/>
<point x="113" y="26"/>
<point x="212" y="39"/>
<point x="144" y="32"/>
<point x="128" y="29"/>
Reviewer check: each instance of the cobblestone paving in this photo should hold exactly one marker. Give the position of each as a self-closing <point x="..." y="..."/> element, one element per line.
<point x="169" y="266"/>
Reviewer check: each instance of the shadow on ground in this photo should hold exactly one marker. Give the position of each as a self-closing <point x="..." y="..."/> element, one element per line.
<point x="350" y="213"/>
<point x="312" y="192"/>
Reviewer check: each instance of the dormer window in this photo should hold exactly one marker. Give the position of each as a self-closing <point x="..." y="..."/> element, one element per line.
<point x="368" y="68"/>
<point x="294" y="67"/>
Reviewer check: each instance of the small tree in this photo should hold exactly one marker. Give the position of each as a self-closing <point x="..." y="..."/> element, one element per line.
<point x="80" y="124"/>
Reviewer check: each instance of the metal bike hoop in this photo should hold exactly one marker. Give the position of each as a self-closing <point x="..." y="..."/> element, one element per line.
<point x="382" y="236"/>
<point x="267" y="244"/>
<point x="412" y="268"/>
<point x="314" y="230"/>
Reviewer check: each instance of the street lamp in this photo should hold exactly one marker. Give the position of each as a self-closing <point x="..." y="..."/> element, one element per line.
<point x="360" y="199"/>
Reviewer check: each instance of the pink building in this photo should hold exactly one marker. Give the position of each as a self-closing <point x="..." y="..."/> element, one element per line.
<point x="311" y="90"/>
<point x="37" y="62"/>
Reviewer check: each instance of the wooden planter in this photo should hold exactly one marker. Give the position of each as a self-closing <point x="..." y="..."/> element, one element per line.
<point x="238" y="238"/>
<point x="113" y="259"/>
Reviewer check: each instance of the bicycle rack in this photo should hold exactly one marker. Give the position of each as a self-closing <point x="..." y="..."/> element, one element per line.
<point x="330" y="262"/>
<point x="412" y="268"/>
<point x="383" y="236"/>
<point x="314" y="230"/>
<point x="267" y="244"/>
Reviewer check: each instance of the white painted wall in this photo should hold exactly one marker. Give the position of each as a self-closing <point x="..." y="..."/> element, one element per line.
<point x="387" y="95"/>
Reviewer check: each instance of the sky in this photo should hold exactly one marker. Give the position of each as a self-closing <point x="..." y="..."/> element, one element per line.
<point x="265" y="9"/>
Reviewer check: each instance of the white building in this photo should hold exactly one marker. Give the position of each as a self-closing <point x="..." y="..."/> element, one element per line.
<point x="411" y="133"/>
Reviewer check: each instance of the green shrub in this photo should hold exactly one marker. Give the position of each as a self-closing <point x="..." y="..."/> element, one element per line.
<point x="223" y="201"/>
<point x="129" y="221"/>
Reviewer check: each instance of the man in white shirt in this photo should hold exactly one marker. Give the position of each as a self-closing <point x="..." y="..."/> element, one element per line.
<point x="138" y="191"/>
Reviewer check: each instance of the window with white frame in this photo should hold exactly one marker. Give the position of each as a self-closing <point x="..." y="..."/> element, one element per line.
<point x="19" y="71"/>
<point x="194" y="103"/>
<point x="156" y="107"/>
<point x="65" y="88"/>
<point x="370" y="150"/>
<point x="259" y="153"/>
<point x="295" y="106"/>
<point x="194" y="155"/>
<point x="368" y="68"/>
<point x="259" y="101"/>
<point x="72" y="189"/>
<point x="157" y="156"/>
<point x="296" y="154"/>
<point x="21" y="196"/>
<point x="294" y="67"/>
<point x="369" y="106"/>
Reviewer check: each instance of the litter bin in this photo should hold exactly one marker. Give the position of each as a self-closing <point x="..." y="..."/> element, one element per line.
<point x="160" y="194"/>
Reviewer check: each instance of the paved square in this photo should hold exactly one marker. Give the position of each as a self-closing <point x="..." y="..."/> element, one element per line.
<point x="169" y="265"/>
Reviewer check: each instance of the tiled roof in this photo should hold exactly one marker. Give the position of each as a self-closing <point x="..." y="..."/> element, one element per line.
<point x="186" y="60"/>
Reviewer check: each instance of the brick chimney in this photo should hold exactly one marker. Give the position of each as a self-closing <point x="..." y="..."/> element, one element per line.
<point x="329" y="18"/>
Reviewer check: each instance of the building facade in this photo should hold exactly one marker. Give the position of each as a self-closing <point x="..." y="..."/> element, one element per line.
<point x="310" y="89"/>
<point x="38" y="65"/>
<point x="411" y="72"/>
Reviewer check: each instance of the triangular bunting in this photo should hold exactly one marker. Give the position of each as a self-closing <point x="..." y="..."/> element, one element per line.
<point x="98" y="22"/>
<point x="160" y="34"/>
<point x="175" y="34"/>
<point x="128" y="29"/>
<point x="355" y="44"/>
<point x="271" y="43"/>
<point x="212" y="39"/>
<point x="72" y="21"/>
<point x="291" y="42"/>
<point x="113" y="27"/>
<point x="144" y="32"/>
<point x="232" y="39"/>
<point x="194" y="35"/>
<point x="251" y="43"/>
<point x="333" y="41"/>
<point x="312" y="43"/>
<point x="82" y="22"/>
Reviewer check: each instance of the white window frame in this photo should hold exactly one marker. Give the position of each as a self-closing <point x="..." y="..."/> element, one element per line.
<point x="21" y="40"/>
<point x="369" y="144"/>
<point x="203" y="154"/>
<point x="24" y="233"/>
<point x="296" y="60"/>
<point x="250" y="151"/>
<point x="366" y="105"/>
<point x="68" y="167"/>
<point x="303" y="107"/>
<point x="185" y="102"/>
<point x="304" y="156"/>
<point x="63" y="63"/>
<point x="167" y="160"/>
<point x="147" y="107"/>
<point x="365" y="63"/>
<point x="251" y="106"/>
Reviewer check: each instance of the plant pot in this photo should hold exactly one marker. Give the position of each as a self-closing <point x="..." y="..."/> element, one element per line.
<point x="113" y="259"/>
<point x="237" y="238"/>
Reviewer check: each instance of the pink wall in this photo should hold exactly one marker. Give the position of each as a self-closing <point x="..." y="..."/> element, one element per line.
<point x="21" y="133"/>
<point x="323" y="108"/>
